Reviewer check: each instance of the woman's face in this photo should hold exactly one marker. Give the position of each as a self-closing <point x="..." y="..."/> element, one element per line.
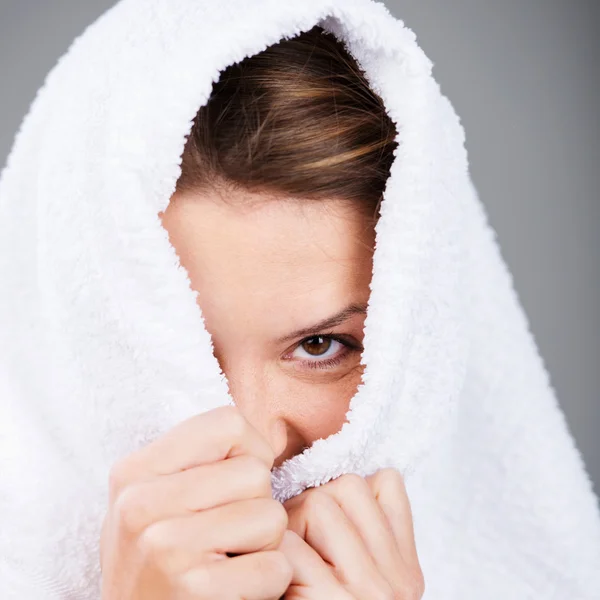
<point x="270" y="272"/>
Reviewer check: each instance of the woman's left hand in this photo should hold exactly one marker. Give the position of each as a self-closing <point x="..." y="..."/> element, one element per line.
<point x="353" y="539"/>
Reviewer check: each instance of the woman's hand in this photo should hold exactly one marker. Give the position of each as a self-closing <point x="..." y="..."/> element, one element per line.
<point x="353" y="538"/>
<point x="180" y="505"/>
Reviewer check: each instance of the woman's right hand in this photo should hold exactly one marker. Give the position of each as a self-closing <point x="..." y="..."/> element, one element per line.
<point x="179" y="505"/>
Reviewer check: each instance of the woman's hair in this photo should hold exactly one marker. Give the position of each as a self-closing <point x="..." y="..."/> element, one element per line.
<point x="296" y="120"/>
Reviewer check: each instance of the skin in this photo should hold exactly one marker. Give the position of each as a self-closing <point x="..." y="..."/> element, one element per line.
<point x="305" y="262"/>
<point x="191" y="515"/>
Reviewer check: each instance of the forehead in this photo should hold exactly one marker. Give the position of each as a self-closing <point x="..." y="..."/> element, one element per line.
<point x="271" y="253"/>
<point x="277" y="235"/>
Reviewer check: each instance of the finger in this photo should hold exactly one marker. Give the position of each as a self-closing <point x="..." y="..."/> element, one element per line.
<point x="309" y="569"/>
<point x="318" y="519"/>
<point x="354" y="496"/>
<point x="206" y="438"/>
<point x="199" y="488"/>
<point x="388" y="487"/>
<point x="179" y="544"/>
<point x="256" y="576"/>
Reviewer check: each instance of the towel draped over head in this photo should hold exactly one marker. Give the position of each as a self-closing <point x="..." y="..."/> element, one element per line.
<point x="103" y="346"/>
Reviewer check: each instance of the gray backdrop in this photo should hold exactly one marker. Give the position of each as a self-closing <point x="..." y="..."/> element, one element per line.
<point x="523" y="77"/>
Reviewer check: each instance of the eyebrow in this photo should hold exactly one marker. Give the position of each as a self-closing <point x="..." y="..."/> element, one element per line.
<point x="327" y="323"/>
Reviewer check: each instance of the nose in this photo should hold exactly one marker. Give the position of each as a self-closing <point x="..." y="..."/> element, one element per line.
<point x="259" y="406"/>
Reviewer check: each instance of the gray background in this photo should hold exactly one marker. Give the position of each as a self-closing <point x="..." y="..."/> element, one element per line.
<point x="523" y="77"/>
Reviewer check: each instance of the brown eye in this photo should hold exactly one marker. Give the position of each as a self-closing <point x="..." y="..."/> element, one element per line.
<point x="328" y="350"/>
<point x="317" y="345"/>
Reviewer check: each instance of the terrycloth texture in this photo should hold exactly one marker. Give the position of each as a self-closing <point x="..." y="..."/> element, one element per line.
<point x="104" y="348"/>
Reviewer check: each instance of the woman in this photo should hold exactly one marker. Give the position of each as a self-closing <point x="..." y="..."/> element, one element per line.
<point x="211" y="183"/>
<point x="282" y="175"/>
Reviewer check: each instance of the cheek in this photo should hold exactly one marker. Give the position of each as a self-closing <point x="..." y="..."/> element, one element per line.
<point x="318" y="411"/>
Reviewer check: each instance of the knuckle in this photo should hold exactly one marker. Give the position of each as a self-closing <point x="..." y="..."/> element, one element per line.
<point x="154" y="543"/>
<point x="258" y="474"/>
<point x="352" y="483"/>
<point x="118" y="477"/>
<point x="392" y="475"/>
<point x="419" y="585"/>
<point x="276" y="564"/>
<point x="318" y="504"/>
<point x="129" y="508"/>
<point x="385" y="593"/>
<point x="195" y="583"/>
<point x="239" y="428"/>
<point x="276" y="516"/>
<point x="412" y="588"/>
<point x="236" y="422"/>
<point x="271" y="519"/>
<point x="389" y="481"/>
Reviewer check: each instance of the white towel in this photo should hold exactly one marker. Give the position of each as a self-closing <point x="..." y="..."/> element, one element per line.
<point x="103" y="346"/>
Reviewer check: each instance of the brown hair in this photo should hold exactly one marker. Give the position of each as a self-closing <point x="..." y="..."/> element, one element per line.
<point x="296" y="120"/>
